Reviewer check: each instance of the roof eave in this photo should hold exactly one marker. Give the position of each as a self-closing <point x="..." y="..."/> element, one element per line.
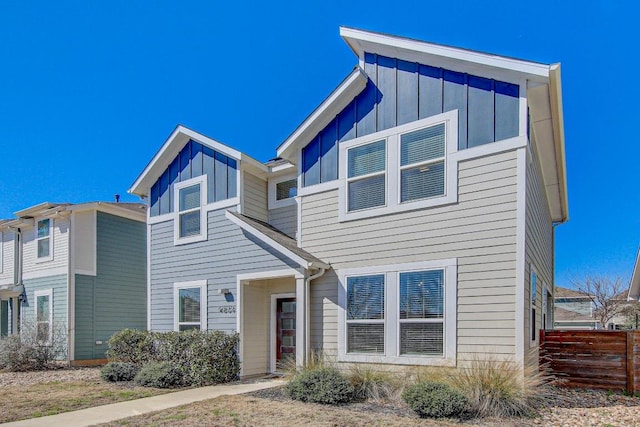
<point x="555" y="92"/>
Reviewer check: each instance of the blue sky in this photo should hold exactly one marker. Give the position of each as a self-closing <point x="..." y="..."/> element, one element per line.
<point x="90" y="90"/>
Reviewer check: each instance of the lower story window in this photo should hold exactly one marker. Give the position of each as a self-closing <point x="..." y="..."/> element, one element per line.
<point x="403" y="313"/>
<point x="190" y="305"/>
<point x="44" y="315"/>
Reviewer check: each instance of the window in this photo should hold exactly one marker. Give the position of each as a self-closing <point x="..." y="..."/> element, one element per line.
<point x="44" y="315"/>
<point x="365" y="314"/>
<point x="403" y="313"/>
<point x="44" y="239"/>
<point x="366" y="176"/>
<point x="404" y="168"/>
<point x="286" y="189"/>
<point x="282" y="191"/>
<point x="190" y="305"/>
<point x="190" y="225"/>
<point x="533" y="284"/>
<point x="422" y="312"/>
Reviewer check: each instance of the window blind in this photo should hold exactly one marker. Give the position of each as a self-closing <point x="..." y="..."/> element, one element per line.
<point x="367" y="159"/>
<point x="421" y="338"/>
<point x="190" y="197"/>
<point x="286" y="189"/>
<point x="189" y="305"/>
<point x="422" y="295"/>
<point x="422" y="182"/>
<point x="422" y="145"/>
<point x="190" y="224"/>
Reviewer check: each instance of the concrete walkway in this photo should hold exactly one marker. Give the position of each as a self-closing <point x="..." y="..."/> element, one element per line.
<point x="117" y="411"/>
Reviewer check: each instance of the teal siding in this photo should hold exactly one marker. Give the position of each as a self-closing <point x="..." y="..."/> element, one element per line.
<point x="117" y="297"/>
<point x="58" y="284"/>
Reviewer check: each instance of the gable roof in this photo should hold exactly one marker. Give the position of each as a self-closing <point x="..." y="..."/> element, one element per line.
<point x="561" y="292"/>
<point x="634" y="286"/>
<point x="276" y="239"/>
<point x="180" y="136"/>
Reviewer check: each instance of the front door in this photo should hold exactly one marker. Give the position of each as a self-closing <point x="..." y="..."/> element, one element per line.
<point x="285" y="332"/>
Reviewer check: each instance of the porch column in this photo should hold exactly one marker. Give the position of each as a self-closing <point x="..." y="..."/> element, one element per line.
<point x="301" y="328"/>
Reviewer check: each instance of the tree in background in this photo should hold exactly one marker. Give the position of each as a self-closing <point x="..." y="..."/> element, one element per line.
<point x="608" y="296"/>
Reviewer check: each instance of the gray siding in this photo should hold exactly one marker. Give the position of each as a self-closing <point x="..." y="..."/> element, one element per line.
<point x="58" y="284"/>
<point x="538" y="245"/>
<point x="479" y="230"/>
<point x="254" y="197"/>
<point x="285" y="219"/>
<point x="228" y="252"/>
<point x="116" y="298"/>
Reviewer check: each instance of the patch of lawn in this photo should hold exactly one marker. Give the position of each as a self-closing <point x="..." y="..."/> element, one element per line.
<point x="40" y="400"/>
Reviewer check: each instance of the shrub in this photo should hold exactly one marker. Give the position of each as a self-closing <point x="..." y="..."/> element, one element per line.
<point x="371" y="384"/>
<point x="322" y="385"/>
<point x="159" y="375"/>
<point x="118" y="371"/>
<point x="435" y="400"/>
<point x="27" y="352"/>
<point x="132" y="346"/>
<point x="202" y="357"/>
<point x="500" y="389"/>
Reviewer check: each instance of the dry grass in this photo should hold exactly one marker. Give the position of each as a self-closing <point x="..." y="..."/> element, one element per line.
<point x="38" y="400"/>
<point x="243" y="410"/>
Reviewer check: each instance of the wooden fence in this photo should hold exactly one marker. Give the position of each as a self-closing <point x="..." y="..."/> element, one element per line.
<point x="593" y="359"/>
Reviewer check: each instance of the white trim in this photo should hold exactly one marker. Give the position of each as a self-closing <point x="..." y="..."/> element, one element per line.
<point x="44" y="293"/>
<point x="202" y="182"/>
<point x="450" y="267"/>
<point x="273" y="203"/>
<point x="273" y="328"/>
<point x="202" y="284"/>
<point x="1" y="252"/>
<point x="490" y="149"/>
<point x="392" y="184"/>
<point x="521" y="232"/>
<point x="112" y="209"/>
<point x="266" y="275"/>
<point x="36" y="239"/>
<point x="299" y="221"/>
<point x="326" y="111"/>
<point x="277" y="246"/>
<point x="318" y="188"/>
<point x="45" y="273"/>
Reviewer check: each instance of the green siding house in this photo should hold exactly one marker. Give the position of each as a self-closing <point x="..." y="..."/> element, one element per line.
<point x="76" y="268"/>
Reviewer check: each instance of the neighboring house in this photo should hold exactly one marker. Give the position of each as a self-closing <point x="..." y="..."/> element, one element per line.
<point x="573" y="310"/>
<point x="408" y="220"/>
<point x="80" y="268"/>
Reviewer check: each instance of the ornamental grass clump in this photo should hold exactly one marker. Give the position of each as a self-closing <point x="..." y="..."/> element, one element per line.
<point x="373" y="384"/>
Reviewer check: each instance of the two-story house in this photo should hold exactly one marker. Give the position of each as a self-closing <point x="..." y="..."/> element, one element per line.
<point x="76" y="269"/>
<point x="407" y="221"/>
<point x="573" y="310"/>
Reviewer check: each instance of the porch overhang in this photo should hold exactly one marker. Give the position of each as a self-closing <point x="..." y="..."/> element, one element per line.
<point x="10" y="291"/>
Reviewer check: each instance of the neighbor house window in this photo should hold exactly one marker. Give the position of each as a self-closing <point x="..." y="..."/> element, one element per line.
<point x="190" y="305"/>
<point x="422" y="313"/>
<point x="190" y="216"/>
<point x="44" y="240"/>
<point x="403" y="168"/>
<point x="402" y="313"/>
<point x="365" y="314"/>
<point x="44" y="315"/>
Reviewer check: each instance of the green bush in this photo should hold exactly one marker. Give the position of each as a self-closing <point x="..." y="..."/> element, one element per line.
<point x="118" y="371"/>
<point x="435" y="400"/>
<point x="202" y="357"/>
<point x="322" y="385"/>
<point x="132" y="346"/>
<point x="159" y="375"/>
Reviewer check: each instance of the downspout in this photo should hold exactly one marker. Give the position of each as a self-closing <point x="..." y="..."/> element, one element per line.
<point x="15" y="326"/>
<point x="307" y="310"/>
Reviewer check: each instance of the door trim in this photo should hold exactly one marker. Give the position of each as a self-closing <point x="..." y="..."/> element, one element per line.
<point x="273" y="328"/>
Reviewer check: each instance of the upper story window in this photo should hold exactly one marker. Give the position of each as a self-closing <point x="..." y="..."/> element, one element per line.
<point x="282" y="191"/>
<point x="404" y="168"/>
<point x="44" y="239"/>
<point x="190" y="223"/>
<point x="195" y="160"/>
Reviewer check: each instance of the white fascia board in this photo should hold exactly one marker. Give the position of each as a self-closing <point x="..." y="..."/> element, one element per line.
<point x="437" y="55"/>
<point x="35" y="210"/>
<point x="555" y="94"/>
<point x="321" y="116"/>
<point x="277" y="246"/>
<point x="634" y="287"/>
<point x="110" y="209"/>
<point x="170" y="149"/>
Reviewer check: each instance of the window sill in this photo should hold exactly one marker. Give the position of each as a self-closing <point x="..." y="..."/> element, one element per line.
<point x="398" y="360"/>
<point x="319" y="188"/>
<point x="389" y="210"/>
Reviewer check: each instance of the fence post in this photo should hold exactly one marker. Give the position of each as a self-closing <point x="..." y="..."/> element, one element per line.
<point x="631" y="380"/>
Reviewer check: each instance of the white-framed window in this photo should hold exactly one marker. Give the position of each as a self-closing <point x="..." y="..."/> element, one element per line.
<point x="190" y="305"/>
<point x="400" y="314"/>
<point x="533" y="297"/>
<point x="190" y="224"/>
<point x="399" y="169"/>
<point x="282" y="191"/>
<point x="44" y="239"/>
<point x="43" y="301"/>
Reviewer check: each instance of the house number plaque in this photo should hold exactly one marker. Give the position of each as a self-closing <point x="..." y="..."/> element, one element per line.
<point x="228" y="309"/>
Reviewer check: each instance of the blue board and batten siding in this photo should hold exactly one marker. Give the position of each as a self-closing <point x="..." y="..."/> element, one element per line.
<point x="400" y="92"/>
<point x="195" y="160"/>
<point x="116" y="297"/>
<point x="219" y="260"/>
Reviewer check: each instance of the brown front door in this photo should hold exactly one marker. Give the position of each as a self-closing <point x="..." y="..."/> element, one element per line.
<point x="286" y="331"/>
